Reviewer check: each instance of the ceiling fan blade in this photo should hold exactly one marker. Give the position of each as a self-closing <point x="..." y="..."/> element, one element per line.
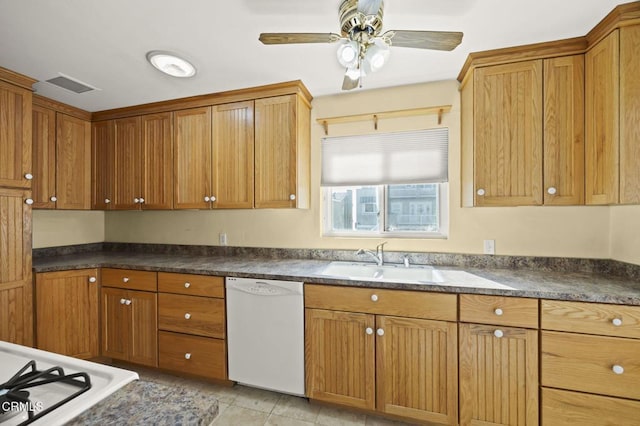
<point x="292" y="38"/>
<point x="435" y="40"/>
<point x="350" y="83"/>
<point x="369" y="7"/>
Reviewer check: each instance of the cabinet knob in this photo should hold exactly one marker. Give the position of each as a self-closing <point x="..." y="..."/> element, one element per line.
<point x="374" y="297"/>
<point x="380" y="332"/>
<point x="498" y="333"/>
<point x="53" y="198"/>
<point x="125" y="279"/>
<point x="552" y="190"/>
<point x="122" y="301"/>
<point x="212" y="198"/>
<point x="141" y="200"/>
<point x="369" y="330"/>
<point x="187" y="285"/>
<point x="292" y="197"/>
<point x="187" y="356"/>
<point x="92" y="279"/>
<point x="498" y="312"/>
<point x="28" y="176"/>
<point x="187" y="315"/>
<point x="28" y="201"/>
<point x="136" y="200"/>
<point x="480" y="192"/>
<point x="127" y="302"/>
<point x="617" y="322"/>
<point x="618" y="369"/>
<point x="207" y="199"/>
<point x="107" y="201"/>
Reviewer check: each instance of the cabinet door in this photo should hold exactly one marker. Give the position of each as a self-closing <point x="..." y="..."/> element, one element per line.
<point x="103" y="153"/>
<point x="116" y="323"/>
<point x="143" y="317"/>
<point x="417" y="369"/>
<point x="128" y="163"/>
<point x="15" y="136"/>
<point x="44" y="158"/>
<point x="340" y="357"/>
<point x="233" y="155"/>
<point x="508" y="134"/>
<point x="73" y="163"/>
<point x="157" y="161"/>
<point x="67" y="312"/>
<point x="602" y="115"/>
<point x="192" y="158"/>
<point x="275" y="152"/>
<point x="498" y="375"/>
<point x="16" y="323"/>
<point x="629" y="113"/>
<point x="564" y="130"/>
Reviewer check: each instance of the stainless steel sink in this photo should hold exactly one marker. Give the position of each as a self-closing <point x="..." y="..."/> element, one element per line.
<point x="385" y="273"/>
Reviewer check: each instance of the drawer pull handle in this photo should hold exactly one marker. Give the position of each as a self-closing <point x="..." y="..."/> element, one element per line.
<point x="618" y="369"/>
<point x="127" y="302"/>
<point x="369" y="330"/>
<point x="498" y="333"/>
<point x="617" y="322"/>
<point x="187" y="356"/>
<point x="92" y="279"/>
<point x="125" y="280"/>
<point x="122" y="301"/>
<point x="374" y="297"/>
<point x="187" y="315"/>
<point x="187" y="285"/>
<point x="498" y="312"/>
<point x="380" y="332"/>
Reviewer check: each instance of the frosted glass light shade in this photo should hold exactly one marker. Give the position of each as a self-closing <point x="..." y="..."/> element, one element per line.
<point x="171" y="64"/>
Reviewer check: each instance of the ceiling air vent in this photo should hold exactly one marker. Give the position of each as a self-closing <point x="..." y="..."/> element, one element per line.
<point x="72" y="84"/>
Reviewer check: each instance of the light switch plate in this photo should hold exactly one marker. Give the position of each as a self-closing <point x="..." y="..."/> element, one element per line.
<point x="489" y="246"/>
<point x="222" y="238"/>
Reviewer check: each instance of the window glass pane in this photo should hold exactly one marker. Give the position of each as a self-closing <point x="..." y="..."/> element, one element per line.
<point x="413" y="208"/>
<point x="355" y="209"/>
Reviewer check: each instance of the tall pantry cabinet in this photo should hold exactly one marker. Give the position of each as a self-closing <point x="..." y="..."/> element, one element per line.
<point x="16" y="324"/>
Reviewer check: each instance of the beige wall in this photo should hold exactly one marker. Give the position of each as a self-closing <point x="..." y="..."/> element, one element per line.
<point x="66" y="227"/>
<point x="625" y="233"/>
<point x="535" y="231"/>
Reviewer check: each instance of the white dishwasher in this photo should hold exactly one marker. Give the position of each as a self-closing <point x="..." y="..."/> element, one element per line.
<point x="265" y="334"/>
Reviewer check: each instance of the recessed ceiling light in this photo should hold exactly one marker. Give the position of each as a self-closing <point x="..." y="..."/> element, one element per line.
<point x="171" y="64"/>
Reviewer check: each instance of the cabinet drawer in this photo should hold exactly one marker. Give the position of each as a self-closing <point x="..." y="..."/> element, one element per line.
<point x="499" y="310"/>
<point x="194" y="285"/>
<point x="563" y="408"/>
<point x="587" y="363"/>
<point x="129" y="279"/>
<point x="201" y="356"/>
<point x="591" y="318"/>
<point x="415" y="304"/>
<point x="203" y="316"/>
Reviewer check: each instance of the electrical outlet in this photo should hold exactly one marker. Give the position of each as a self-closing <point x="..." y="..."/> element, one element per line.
<point x="489" y="246"/>
<point x="222" y="238"/>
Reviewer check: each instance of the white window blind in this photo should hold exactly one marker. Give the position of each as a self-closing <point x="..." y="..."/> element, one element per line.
<point x="385" y="159"/>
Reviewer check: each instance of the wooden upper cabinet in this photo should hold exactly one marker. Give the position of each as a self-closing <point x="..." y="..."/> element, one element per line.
<point x="564" y="130"/>
<point x="73" y="163"/>
<point x="233" y="164"/>
<point x="15" y="136"/>
<point x="127" y="161"/>
<point x="103" y="152"/>
<point x="629" y="114"/>
<point x="156" y="186"/>
<point x="44" y="157"/>
<point x="602" y="115"/>
<point x="508" y="134"/>
<point x="282" y="152"/>
<point x="16" y="320"/>
<point x="192" y="158"/>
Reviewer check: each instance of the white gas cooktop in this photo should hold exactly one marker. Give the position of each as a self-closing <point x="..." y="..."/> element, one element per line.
<point x="104" y="380"/>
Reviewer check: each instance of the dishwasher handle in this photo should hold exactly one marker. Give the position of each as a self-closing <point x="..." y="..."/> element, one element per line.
<point x="261" y="288"/>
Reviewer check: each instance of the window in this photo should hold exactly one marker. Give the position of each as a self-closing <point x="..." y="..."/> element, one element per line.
<point x="389" y="184"/>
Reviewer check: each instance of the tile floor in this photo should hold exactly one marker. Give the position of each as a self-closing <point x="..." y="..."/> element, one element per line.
<point x="245" y="406"/>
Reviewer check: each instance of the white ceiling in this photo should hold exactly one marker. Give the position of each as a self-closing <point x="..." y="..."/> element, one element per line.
<point x="104" y="42"/>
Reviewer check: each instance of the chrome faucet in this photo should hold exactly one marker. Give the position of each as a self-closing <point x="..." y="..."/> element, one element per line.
<point x="378" y="256"/>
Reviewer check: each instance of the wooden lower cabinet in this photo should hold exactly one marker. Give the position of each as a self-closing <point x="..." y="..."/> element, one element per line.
<point x="129" y="325"/>
<point x="200" y="356"/>
<point x="67" y="312"/>
<point x="498" y="375"/>
<point x="400" y="366"/>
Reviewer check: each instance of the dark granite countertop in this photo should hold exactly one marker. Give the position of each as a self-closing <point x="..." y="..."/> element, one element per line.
<point x="524" y="280"/>
<point x="148" y="403"/>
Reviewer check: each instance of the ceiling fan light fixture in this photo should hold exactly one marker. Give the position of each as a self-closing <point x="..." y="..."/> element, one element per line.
<point x="348" y="53"/>
<point x="171" y="64"/>
<point x="376" y="56"/>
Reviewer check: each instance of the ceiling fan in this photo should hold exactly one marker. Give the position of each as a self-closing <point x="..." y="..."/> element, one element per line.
<point x="363" y="47"/>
